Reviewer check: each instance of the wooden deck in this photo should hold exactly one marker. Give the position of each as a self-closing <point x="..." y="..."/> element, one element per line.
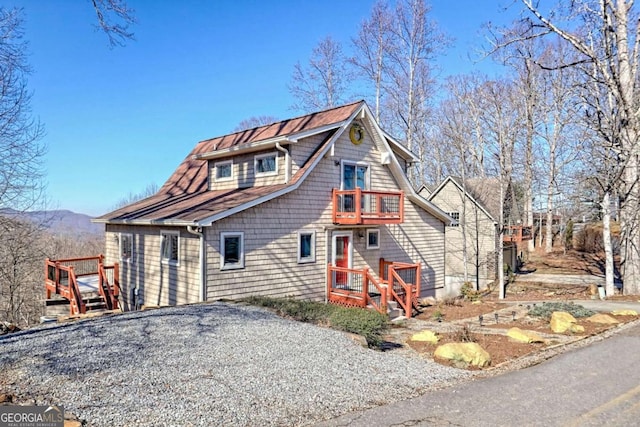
<point x="84" y="283"/>
<point x="517" y="233"/>
<point x="398" y="282"/>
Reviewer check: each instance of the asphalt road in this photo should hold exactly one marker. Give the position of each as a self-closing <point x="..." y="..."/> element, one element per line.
<point x="592" y="386"/>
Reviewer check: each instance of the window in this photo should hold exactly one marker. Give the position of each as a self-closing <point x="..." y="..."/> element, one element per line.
<point x="373" y="239"/>
<point x="306" y="246"/>
<point x="456" y="217"/>
<point x="126" y="247"/>
<point x="170" y="247"/>
<point x="231" y="250"/>
<point x="355" y="175"/>
<point x="224" y="170"/>
<point x="266" y="164"/>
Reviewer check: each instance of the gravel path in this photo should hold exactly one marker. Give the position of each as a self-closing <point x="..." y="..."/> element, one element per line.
<point x="210" y="364"/>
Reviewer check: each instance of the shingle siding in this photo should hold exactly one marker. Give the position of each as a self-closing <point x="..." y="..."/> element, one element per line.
<point x="450" y="198"/>
<point x="271" y="234"/>
<point x="158" y="283"/>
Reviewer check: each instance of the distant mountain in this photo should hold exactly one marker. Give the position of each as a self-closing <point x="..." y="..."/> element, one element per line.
<point x="59" y="221"/>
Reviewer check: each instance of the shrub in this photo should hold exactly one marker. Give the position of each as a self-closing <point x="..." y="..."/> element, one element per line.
<point x="546" y="309"/>
<point x="469" y="293"/>
<point x="464" y="334"/>
<point x="368" y="323"/>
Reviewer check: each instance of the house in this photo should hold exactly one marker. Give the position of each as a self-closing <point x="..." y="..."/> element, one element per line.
<point x="472" y="241"/>
<point x="315" y="207"/>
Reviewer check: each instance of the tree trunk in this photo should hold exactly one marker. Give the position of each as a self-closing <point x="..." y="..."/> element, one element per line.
<point x="606" y="237"/>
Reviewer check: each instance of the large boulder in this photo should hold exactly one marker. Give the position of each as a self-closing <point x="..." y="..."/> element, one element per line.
<point x="425" y="336"/>
<point x="519" y="335"/>
<point x="602" y="318"/>
<point x="624" y="313"/>
<point x="467" y="353"/>
<point x="561" y="322"/>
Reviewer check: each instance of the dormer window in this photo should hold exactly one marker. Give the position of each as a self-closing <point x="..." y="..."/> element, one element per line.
<point x="266" y="164"/>
<point x="224" y="170"/>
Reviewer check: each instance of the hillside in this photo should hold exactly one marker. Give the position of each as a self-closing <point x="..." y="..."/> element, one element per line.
<point x="59" y="221"/>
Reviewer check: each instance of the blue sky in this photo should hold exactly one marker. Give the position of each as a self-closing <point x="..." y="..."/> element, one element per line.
<point x="119" y="119"/>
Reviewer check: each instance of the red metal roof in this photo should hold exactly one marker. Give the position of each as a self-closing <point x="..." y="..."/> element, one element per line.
<point x="185" y="196"/>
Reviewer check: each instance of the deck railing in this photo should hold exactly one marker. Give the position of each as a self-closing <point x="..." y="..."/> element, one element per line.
<point x="360" y="288"/>
<point x="61" y="278"/>
<point x="355" y="288"/>
<point x="367" y="207"/>
<point x="517" y="233"/>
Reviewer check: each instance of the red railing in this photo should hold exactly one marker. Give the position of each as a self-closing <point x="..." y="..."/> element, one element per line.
<point x="61" y="279"/>
<point x="367" y="207"/>
<point x="350" y="287"/>
<point x="398" y="281"/>
<point x="517" y="233"/>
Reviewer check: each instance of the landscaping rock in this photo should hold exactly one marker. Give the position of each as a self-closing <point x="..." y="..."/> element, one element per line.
<point x="602" y="318"/>
<point x="519" y="335"/>
<point x="425" y="336"/>
<point x="561" y="322"/>
<point x="624" y="313"/>
<point x="428" y="302"/>
<point x="469" y="353"/>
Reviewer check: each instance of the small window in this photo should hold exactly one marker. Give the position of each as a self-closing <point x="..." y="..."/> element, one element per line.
<point x="456" y="217"/>
<point x="224" y="170"/>
<point x="126" y="247"/>
<point x="266" y="164"/>
<point x="231" y="250"/>
<point x="373" y="239"/>
<point x="306" y="246"/>
<point x="170" y="248"/>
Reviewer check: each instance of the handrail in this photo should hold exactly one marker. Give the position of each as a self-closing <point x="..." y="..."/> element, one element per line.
<point x="104" y="289"/>
<point x="405" y="302"/>
<point x="382" y="307"/>
<point x="74" y="291"/>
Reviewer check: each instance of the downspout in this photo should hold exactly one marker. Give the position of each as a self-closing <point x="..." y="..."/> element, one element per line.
<point x="287" y="162"/>
<point x="198" y="232"/>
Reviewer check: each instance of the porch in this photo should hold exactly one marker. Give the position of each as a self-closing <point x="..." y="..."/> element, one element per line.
<point x="83" y="283"/>
<point x="399" y="282"/>
<point x="363" y="207"/>
<point x="517" y="233"/>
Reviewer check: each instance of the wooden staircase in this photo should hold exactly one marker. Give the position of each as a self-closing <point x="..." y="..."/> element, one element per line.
<point x="82" y="284"/>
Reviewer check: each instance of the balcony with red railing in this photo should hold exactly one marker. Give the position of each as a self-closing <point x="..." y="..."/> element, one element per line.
<point x="517" y="233"/>
<point x="363" y="207"/>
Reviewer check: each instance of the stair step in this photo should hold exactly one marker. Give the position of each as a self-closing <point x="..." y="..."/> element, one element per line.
<point x="55" y="301"/>
<point x="95" y="305"/>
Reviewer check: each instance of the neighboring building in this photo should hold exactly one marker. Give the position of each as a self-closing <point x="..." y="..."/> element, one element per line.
<point x="266" y="211"/>
<point x="475" y="206"/>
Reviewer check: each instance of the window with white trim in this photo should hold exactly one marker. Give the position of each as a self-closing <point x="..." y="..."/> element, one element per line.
<point x="266" y="164"/>
<point x="306" y="246"/>
<point x="170" y="247"/>
<point x="373" y="239"/>
<point x="456" y="217"/>
<point x="224" y="170"/>
<point x="231" y="250"/>
<point x="126" y="247"/>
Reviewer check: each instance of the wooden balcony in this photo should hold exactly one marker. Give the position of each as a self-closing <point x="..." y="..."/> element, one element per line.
<point x="517" y="233"/>
<point x="362" y="207"/>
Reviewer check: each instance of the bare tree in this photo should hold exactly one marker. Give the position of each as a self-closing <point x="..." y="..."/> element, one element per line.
<point x="322" y="84"/>
<point x="605" y="35"/>
<point x="114" y="19"/>
<point x="371" y="44"/>
<point x="149" y="191"/>
<point x="254" y="122"/>
<point x="415" y="41"/>
<point x="20" y="148"/>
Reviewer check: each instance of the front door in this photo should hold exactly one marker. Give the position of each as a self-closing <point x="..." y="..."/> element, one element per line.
<point x="341" y="255"/>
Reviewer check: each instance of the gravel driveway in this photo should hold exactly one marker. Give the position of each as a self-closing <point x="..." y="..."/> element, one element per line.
<point x="209" y="364"/>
